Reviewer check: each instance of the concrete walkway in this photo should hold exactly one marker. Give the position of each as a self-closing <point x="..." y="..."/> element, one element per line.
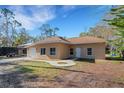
<point x="65" y="63"/>
<point x="51" y="62"/>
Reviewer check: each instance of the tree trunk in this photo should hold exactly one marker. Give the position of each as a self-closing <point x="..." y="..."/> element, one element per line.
<point x="123" y="53"/>
<point x="6" y="32"/>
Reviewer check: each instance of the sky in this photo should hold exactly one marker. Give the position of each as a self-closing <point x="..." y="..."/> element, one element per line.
<point x="71" y="20"/>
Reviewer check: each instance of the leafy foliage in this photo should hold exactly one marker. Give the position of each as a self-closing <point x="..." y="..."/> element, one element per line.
<point x="118" y="22"/>
<point x="22" y="38"/>
<point x="105" y="32"/>
<point x="11" y="33"/>
<point x="48" y="31"/>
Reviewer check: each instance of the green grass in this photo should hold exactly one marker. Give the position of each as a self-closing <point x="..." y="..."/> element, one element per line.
<point x="119" y="80"/>
<point x="39" y="68"/>
<point x="3" y="57"/>
<point x="108" y="61"/>
<point x="43" y="69"/>
<point x="24" y="69"/>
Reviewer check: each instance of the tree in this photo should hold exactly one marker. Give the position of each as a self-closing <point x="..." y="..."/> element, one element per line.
<point x="22" y="38"/>
<point x="84" y="34"/>
<point x="36" y="38"/>
<point x="14" y="34"/>
<point x="117" y="21"/>
<point x="102" y="31"/>
<point x="7" y="17"/>
<point x="48" y="31"/>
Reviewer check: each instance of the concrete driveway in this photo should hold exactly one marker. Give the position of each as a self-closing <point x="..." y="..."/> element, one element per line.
<point x="13" y="59"/>
<point x="7" y="64"/>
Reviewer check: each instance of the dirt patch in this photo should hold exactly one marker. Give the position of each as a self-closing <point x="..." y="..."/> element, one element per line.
<point x="82" y="75"/>
<point x="79" y="81"/>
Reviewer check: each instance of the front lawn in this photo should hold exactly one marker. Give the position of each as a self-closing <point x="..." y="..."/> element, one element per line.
<point x="3" y="57"/>
<point x="42" y="69"/>
<point x="83" y="74"/>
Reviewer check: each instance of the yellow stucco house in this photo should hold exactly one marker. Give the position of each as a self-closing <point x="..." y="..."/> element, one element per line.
<point x="61" y="48"/>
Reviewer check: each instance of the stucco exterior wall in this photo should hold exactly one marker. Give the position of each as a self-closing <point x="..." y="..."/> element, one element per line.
<point x="98" y="50"/>
<point x="63" y="50"/>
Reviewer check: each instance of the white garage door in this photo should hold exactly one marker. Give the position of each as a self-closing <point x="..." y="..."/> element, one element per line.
<point x="32" y="52"/>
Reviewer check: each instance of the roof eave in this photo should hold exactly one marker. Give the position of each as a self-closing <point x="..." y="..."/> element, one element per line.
<point x="87" y="43"/>
<point x="48" y="43"/>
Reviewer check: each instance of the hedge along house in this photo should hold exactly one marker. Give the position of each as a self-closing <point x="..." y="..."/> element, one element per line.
<point x="61" y="48"/>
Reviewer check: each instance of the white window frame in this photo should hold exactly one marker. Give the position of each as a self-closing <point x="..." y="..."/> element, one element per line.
<point x="53" y="52"/>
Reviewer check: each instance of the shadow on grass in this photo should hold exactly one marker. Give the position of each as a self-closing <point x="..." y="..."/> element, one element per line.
<point x="14" y="79"/>
<point x="17" y="56"/>
<point x="10" y="80"/>
<point x="92" y="60"/>
<point x="8" y="63"/>
<point x="59" y="68"/>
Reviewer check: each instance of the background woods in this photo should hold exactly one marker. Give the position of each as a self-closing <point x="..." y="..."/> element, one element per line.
<point x="12" y="32"/>
<point x="112" y="31"/>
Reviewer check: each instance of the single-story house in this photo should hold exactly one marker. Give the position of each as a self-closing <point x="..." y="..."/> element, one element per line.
<point x="22" y="50"/>
<point x="61" y="48"/>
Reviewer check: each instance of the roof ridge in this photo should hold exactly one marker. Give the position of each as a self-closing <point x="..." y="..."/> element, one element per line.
<point x="84" y="37"/>
<point x="77" y="40"/>
<point x="64" y="39"/>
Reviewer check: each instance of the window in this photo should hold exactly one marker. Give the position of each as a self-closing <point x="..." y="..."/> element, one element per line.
<point x="52" y="51"/>
<point x="24" y="51"/>
<point x="89" y="51"/>
<point x="71" y="51"/>
<point x="43" y="51"/>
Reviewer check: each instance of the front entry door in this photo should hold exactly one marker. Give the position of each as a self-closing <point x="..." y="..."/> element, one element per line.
<point x="78" y="52"/>
<point x="32" y="52"/>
